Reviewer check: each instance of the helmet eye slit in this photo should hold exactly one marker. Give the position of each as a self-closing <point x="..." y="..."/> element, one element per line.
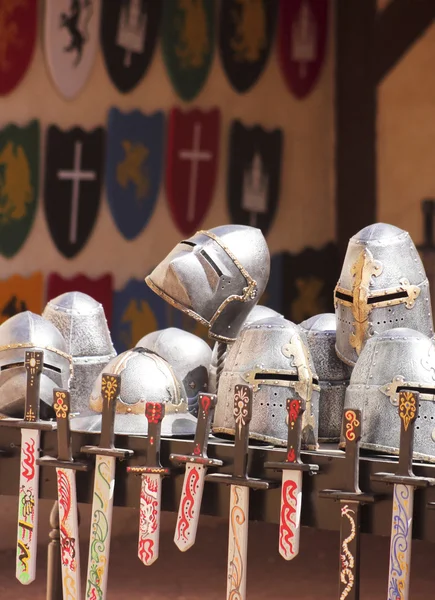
<point x="187" y="243"/>
<point x="211" y="263"/>
<point x="423" y="390"/>
<point x="387" y="297"/>
<point x="276" y="376"/>
<point x="345" y="297"/>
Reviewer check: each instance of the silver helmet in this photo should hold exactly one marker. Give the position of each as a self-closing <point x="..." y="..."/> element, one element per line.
<point x="382" y="286"/>
<point x="82" y="322"/>
<point x="392" y="361"/>
<point x="216" y="277"/>
<point x="272" y="355"/>
<point x="27" y="331"/>
<point x="145" y="377"/>
<point x="188" y="355"/>
<point x="333" y="374"/>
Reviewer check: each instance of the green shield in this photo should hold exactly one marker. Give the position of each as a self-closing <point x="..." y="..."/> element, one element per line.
<point x="19" y="180"/>
<point x="188" y="43"/>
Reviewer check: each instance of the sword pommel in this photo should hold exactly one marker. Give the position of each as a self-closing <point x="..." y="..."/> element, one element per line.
<point x="154" y="412"/>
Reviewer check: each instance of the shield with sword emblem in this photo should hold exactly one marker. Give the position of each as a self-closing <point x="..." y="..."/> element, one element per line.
<point x="191" y="167"/>
<point x="73" y="173"/>
<point x="133" y="168"/>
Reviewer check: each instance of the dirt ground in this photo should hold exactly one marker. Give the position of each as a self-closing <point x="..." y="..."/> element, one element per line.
<point x="201" y="572"/>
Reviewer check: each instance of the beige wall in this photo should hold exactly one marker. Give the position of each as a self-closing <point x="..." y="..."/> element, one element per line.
<point x="306" y="211"/>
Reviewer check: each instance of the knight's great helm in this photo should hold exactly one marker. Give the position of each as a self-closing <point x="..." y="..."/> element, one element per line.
<point x="145" y="377"/>
<point x="216" y="277"/>
<point x="27" y="331"/>
<point x="187" y="354"/>
<point x="333" y="374"/>
<point x="383" y="285"/>
<point x="272" y="355"/>
<point x="82" y="322"/>
<point x="394" y="360"/>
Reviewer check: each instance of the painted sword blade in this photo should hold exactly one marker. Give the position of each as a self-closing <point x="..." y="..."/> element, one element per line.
<point x="349" y="549"/>
<point x="149" y="518"/>
<point x="190" y="506"/>
<point x="27" y="534"/>
<point x="69" y="533"/>
<point x="290" y="514"/>
<point x="101" y="527"/>
<point x="401" y="542"/>
<point x="238" y="542"/>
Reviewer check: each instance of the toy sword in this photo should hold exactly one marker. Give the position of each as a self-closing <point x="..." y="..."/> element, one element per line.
<point x="197" y="464"/>
<point x="104" y="484"/>
<point x="351" y="499"/>
<point x="66" y="469"/>
<point x="291" y="491"/>
<point x="404" y="482"/>
<point x="152" y="474"/>
<point x="239" y="495"/>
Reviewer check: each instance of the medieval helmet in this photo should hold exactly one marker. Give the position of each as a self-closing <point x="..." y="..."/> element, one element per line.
<point x="394" y="360"/>
<point x="333" y="374"/>
<point x="187" y="354"/>
<point x="82" y="322"/>
<point x="27" y="331"/>
<point x="216" y="277"/>
<point x="382" y="285"/>
<point x="145" y="377"/>
<point x="273" y="356"/>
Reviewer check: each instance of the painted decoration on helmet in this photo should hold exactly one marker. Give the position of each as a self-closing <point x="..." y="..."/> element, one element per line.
<point x="254" y="174"/>
<point x="302" y="37"/>
<point x="129" y="30"/>
<point x="18" y="294"/>
<point x="191" y="165"/>
<point x="18" y="23"/>
<point x="99" y="288"/>
<point x="71" y="42"/>
<point x="188" y="44"/>
<point x="19" y="184"/>
<point x="133" y="168"/>
<point x="73" y="175"/>
<point x="246" y="30"/>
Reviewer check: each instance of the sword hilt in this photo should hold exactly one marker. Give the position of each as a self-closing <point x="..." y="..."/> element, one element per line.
<point x="206" y="406"/>
<point x="295" y="410"/>
<point x="154" y="412"/>
<point x="110" y="389"/>
<point x="408" y="413"/>
<point x="242" y="417"/>
<point x="352" y="420"/>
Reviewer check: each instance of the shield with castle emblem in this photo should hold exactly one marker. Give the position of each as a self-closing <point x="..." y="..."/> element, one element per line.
<point x="18" y="294"/>
<point x="100" y="289"/>
<point x="191" y="165"/>
<point x="254" y="172"/>
<point x="18" y="23"/>
<point x="303" y="29"/>
<point x="188" y="43"/>
<point x="246" y="30"/>
<point x="129" y="30"/>
<point x="133" y="168"/>
<point x="71" y="42"/>
<point x="19" y="184"/>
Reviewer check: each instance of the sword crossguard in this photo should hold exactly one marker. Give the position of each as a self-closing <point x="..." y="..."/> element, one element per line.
<point x="154" y="412"/>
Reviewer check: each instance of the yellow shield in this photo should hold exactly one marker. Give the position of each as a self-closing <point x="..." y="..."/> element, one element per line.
<point x="19" y="293"/>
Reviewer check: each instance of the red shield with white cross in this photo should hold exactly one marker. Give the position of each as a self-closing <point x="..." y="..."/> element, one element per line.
<point x="192" y="158"/>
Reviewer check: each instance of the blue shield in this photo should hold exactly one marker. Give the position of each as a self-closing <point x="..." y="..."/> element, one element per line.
<point x="137" y="310"/>
<point x="133" y="168"/>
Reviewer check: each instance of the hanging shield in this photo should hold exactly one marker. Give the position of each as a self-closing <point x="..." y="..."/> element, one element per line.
<point x="18" y="294"/>
<point x="303" y="28"/>
<point x="129" y="30"/>
<point x="18" y="22"/>
<point x="19" y="184"/>
<point x="133" y="168"/>
<point x="254" y="172"/>
<point x="191" y="167"/>
<point x="100" y="289"/>
<point x="137" y="310"/>
<point x="71" y="42"/>
<point x="246" y="30"/>
<point x="73" y="168"/>
<point x="188" y="44"/>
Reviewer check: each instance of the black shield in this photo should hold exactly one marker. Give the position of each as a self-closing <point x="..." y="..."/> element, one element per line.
<point x="246" y="31"/>
<point x="73" y="174"/>
<point x="254" y="172"/>
<point x="129" y="31"/>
